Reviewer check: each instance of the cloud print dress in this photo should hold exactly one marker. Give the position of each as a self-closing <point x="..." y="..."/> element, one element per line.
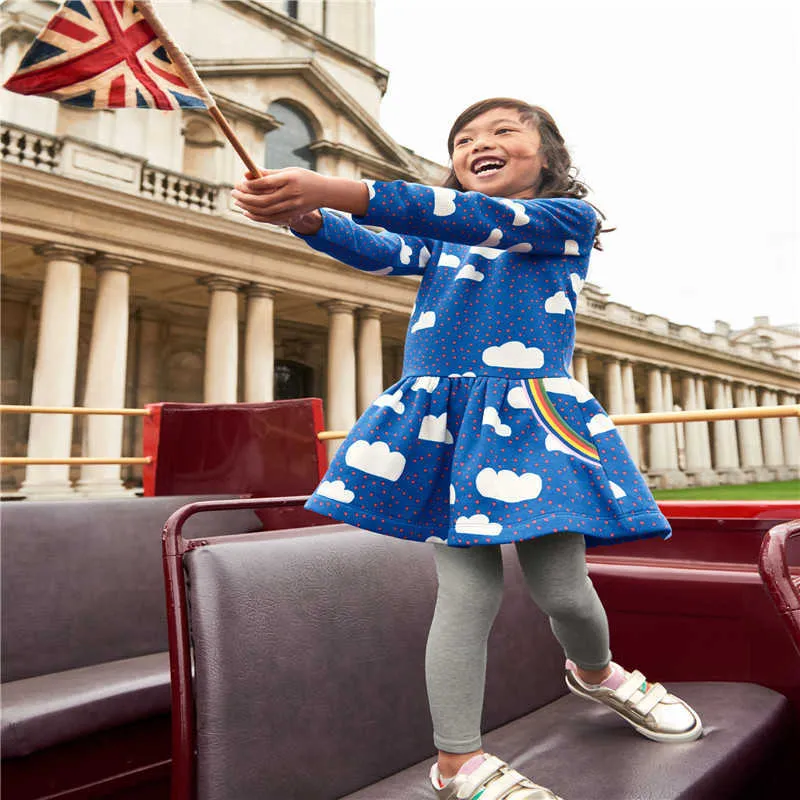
<point x="486" y="438"/>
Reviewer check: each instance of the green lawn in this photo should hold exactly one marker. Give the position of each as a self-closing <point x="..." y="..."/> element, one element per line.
<point x="783" y="490"/>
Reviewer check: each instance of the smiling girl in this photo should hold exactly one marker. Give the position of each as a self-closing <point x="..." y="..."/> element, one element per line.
<point x="486" y="439"/>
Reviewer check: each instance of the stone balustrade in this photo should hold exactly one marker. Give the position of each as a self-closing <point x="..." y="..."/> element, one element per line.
<point x="30" y="148"/>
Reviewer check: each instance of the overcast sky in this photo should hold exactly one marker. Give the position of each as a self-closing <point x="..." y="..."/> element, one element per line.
<point x="683" y="117"/>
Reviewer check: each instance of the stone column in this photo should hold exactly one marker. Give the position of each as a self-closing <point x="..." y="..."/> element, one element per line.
<point x="259" y="345"/>
<point x="613" y="379"/>
<point x="580" y="367"/>
<point x="340" y="413"/>
<point x="693" y="433"/>
<point x="771" y="437"/>
<point x="50" y="435"/>
<point x="222" y="341"/>
<point x="671" y="434"/>
<point x="656" y="434"/>
<point x="105" y="376"/>
<point x="370" y="357"/>
<point x="750" y="455"/>
<point x="148" y="366"/>
<point x="726" y="457"/>
<point x="630" y="432"/>
<point x="790" y="428"/>
<point x="705" y="439"/>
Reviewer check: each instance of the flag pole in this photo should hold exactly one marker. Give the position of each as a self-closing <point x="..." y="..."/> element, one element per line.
<point x="189" y="74"/>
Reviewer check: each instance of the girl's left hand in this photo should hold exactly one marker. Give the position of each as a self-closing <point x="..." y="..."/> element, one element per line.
<point x="280" y="196"/>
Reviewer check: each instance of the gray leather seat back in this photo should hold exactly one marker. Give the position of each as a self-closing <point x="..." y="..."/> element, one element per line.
<point x="82" y="581"/>
<point x="309" y="657"/>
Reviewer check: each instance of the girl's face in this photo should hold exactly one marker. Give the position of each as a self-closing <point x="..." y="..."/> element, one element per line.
<point x="499" y="154"/>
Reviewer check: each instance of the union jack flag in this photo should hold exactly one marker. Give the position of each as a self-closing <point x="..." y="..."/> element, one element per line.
<point x="102" y="55"/>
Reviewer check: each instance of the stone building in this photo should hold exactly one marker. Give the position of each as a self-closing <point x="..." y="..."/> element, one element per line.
<point x="129" y="277"/>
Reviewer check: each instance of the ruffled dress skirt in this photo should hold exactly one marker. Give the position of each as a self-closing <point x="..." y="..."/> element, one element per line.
<point x="485" y="460"/>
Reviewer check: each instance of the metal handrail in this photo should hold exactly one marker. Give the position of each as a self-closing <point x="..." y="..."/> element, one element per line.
<point x="647" y="418"/>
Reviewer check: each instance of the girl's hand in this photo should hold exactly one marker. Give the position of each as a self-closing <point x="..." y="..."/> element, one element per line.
<point x="280" y="196"/>
<point x="285" y="195"/>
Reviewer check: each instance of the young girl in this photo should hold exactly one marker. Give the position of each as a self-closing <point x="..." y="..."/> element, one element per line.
<point x="486" y="439"/>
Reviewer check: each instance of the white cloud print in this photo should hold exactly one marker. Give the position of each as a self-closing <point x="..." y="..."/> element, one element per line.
<point x="392" y="401"/>
<point x="405" y="252"/>
<point x="600" y="423"/>
<point x="492" y="418"/>
<point x="514" y="355"/>
<point x="506" y="485"/>
<point x="452" y="495"/>
<point x="469" y="273"/>
<point x="554" y="445"/>
<point x="381" y="271"/>
<point x="571" y="248"/>
<point x="493" y="239"/>
<point x="517" y="398"/>
<point x="478" y="524"/>
<point x="617" y="490"/>
<point x="434" y="429"/>
<point x="427" y="319"/>
<point x="576" y="281"/>
<point x="375" y="459"/>
<point x="486" y="252"/>
<point x="449" y="260"/>
<point x="335" y="490"/>
<point x="520" y="217"/>
<point x="371" y="188"/>
<point x="557" y="304"/>
<point x="426" y="382"/>
<point x="568" y="386"/>
<point x="443" y="202"/>
<point x="424" y="256"/>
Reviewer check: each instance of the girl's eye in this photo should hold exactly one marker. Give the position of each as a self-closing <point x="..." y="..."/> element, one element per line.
<point x="504" y="130"/>
<point x="463" y="140"/>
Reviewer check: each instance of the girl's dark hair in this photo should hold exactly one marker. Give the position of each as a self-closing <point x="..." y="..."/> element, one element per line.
<point x="558" y="179"/>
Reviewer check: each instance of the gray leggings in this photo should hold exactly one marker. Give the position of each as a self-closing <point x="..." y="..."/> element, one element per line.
<point x="470" y="593"/>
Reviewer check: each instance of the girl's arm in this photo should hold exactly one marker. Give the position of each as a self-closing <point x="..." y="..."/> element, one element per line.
<point x="289" y="197"/>
<point x="558" y="226"/>
<point x="380" y="253"/>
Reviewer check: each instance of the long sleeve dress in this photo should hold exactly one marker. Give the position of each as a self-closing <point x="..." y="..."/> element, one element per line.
<point x="486" y="438"/>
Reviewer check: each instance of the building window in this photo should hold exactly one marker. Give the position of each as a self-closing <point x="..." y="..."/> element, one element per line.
<point x="293" y="380"/>
<point x="290" y="6"/>
<point x="289" y="145"/>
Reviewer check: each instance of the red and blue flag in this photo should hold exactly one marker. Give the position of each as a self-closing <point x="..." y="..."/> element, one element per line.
<point x="102" y="55"/>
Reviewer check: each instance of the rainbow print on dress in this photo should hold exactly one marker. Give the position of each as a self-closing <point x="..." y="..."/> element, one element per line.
<point x="545" y="412"/>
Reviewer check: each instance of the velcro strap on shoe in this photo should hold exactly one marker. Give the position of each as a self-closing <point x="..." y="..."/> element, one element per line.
<point x="632" y="685"/>
<point x="490" y="766"/>
<point x="501" y="788"/>
<point x="651" y="699"/>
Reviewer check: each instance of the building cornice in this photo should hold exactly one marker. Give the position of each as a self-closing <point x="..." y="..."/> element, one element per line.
<point x="311" y="39"/>
<point x="40" y="207"/>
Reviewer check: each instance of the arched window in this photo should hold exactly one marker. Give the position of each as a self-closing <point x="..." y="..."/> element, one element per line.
<point x="288" y="146"/>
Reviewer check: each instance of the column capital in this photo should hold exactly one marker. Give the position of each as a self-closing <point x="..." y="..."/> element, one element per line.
<point x="338" y="307"/>
<point x="108" y="261"/>
<point x="259" y="290"/>
<point x="220" y="283"/>
<point x="65" y="252"/>
<point x="370" y="312"/>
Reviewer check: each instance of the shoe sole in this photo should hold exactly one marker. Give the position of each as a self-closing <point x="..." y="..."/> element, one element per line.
<point x="695" y="732"/>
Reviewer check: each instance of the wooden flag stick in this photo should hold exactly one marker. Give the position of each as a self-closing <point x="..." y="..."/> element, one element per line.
<point x="189" y="74"/>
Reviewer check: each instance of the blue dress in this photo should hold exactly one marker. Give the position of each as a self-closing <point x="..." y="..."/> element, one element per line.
<point x="486" y="438"/>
